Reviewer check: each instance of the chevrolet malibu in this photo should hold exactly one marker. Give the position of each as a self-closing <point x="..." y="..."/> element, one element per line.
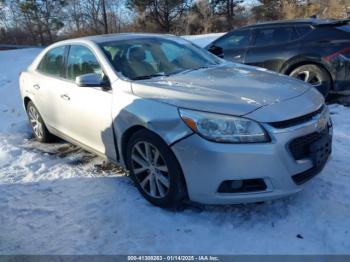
<point x="186" y="124"/>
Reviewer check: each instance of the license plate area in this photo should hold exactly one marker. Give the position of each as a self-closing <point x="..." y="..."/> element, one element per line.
<point x="320" y="150"/>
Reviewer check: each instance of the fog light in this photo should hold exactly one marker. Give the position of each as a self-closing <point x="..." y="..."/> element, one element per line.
<point x="236" y="184"/>
<point x="242" y="186"/>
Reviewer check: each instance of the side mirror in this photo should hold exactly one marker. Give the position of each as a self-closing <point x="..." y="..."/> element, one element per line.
<point x="216" y="50"/>
<point x="93" y="80"/>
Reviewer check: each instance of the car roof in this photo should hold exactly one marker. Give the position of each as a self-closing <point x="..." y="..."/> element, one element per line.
<point x="121" y="36"/>
<point x="309" y="21"/>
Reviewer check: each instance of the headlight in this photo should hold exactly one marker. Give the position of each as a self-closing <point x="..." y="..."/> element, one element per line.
<point x="223" y="128"/>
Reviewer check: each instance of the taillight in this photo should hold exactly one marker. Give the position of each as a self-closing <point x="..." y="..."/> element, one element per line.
<point x="344" y="52"/>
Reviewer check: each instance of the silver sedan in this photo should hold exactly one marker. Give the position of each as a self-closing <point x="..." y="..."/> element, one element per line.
<point x="186" y="124"/>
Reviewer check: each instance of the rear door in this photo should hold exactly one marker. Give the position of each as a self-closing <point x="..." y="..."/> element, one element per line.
<point x="47" y="83"/>
<point x="234" y="45"/>
<point x="272" y="46"/>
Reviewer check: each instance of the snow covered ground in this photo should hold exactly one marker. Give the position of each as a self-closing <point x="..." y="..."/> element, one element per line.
<point x="59" y="199"/>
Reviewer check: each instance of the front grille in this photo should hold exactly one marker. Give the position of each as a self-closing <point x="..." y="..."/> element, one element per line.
<point x="315" y="146"/>
<point x="300" y="147"/>
<point x="297" y="120"/>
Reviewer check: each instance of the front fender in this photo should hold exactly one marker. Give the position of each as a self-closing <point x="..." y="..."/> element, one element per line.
<point x="129" y="111"/>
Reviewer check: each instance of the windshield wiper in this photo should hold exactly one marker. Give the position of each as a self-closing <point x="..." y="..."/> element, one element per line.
<point x="169" y="74"/>
<point x="195" y="69"/>
<point x="148" y="76"/>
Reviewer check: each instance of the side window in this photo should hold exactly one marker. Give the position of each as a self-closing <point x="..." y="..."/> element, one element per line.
<point x="274" y="36"/>
<point x="235" y="40"/>
<point x="303" y="30"/>
<point x="52" y="62"/>
<point x="81" y="61"/>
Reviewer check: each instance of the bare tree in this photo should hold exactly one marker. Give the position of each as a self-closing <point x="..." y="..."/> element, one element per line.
<point x="227" y="9"/>
<point x="164" y="13"/>
<point x="74" y="16"/>
<point x="45" y="21"/>
<point x="268" y="10"/>
<point x="84" y="17"/>
<point x="104" y="15"/>
<point x="39" y="17"/>
<point x="3" y="16"/>
<point x="205" y="13"/>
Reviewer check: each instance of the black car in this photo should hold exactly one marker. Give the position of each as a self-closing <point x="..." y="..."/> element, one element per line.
<point x="314" y="50"/>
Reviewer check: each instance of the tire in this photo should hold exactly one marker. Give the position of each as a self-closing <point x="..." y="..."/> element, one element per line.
<point x="156" y="174"/>
<point x="314" y="75"/>
<point x="40" y="131"/>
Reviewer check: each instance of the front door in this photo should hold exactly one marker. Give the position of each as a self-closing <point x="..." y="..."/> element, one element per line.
<point x="86" y="111"/>
<point x="234" y="45"/>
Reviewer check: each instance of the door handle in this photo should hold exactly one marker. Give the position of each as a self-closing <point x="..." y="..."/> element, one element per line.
<point x="237" y="56"/>
<point x="37" y="87"/>
<point x="65" y="97"/>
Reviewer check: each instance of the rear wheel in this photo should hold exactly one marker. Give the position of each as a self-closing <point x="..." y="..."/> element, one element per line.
<point x="37" y="123"/>
<point x="155" y="170"/>
<point x="314" y="75"/>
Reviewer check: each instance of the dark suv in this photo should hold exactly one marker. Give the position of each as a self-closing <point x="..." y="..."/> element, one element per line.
<point x="314" y="50"/>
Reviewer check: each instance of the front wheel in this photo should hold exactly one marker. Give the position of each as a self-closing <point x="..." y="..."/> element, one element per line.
<point x="314" y="75"/>
<point x="155" y="170"/>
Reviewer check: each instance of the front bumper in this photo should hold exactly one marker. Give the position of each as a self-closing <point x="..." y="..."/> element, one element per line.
<point x="206" y="165"/>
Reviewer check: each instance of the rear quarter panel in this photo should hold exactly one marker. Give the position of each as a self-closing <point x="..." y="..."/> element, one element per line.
<point x="26" y="87"/>
<point x="316" y="48"/>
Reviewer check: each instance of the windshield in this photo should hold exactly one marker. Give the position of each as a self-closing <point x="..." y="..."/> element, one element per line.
<point x="150" y="57"/>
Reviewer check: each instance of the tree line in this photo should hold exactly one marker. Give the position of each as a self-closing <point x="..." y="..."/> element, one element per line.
<point x="42" y="22"/>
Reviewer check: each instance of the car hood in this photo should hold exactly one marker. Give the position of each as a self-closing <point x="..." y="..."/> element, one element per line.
<point x="228" y="89"/>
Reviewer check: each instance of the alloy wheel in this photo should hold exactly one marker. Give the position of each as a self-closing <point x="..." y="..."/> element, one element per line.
<point x="150" y="169"/>
<point x="36" y="123"/>
<point x="309" y="77"/>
